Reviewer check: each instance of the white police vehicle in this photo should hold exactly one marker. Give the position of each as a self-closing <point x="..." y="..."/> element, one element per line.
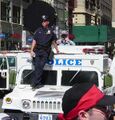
<point x="73" y="65"/>
<point x="9" y="65"/>
<point x="111" y="74"/>
<point x="7" y="72"/>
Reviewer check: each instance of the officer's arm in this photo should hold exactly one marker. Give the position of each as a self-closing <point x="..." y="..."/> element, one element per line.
<point x="32" y="48"/>
<point x="55" y="46"/>
<point x="71" y="42"/>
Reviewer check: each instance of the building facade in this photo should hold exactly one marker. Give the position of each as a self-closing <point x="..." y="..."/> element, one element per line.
<point x="92" y="12"/>
<point x="10" y="23"/>
<point x="113" y="13"/>
<point x="106" y="9"/>
<point x="11" y="20"/>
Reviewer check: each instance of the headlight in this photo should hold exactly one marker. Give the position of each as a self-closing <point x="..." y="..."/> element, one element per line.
<point x="26" y="104"/>
<point x="8" y="100"/>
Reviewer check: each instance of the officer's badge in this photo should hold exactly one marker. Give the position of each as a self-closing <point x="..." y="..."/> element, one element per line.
<point x="48" y="32"/>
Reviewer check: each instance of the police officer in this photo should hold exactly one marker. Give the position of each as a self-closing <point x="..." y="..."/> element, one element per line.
<point x="65" y="39"/>
<point x="43" y="38"/>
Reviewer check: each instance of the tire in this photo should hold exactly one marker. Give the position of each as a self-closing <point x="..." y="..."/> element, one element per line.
<point x="16" y="115"/>
<point x="1" y="94"/>
<point x="4" y="92"/>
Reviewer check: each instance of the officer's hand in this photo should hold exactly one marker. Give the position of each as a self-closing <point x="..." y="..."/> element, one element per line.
<point x="32" y="54"/>
<point x="57" y="51"/>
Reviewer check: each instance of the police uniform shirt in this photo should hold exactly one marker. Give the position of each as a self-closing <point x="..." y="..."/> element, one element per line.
<point x="44" y="38"/>
<point x="64" y="42"/>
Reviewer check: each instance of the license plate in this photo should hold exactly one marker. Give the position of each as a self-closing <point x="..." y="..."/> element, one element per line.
<point x="45" y="117"/>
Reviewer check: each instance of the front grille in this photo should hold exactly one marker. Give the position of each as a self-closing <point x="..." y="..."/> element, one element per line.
<point x="54" y="106"/>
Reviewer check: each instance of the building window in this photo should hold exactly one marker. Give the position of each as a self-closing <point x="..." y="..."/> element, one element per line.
<point x="87" y="4"/>
<point x="5" y="11"/>
<point x="16" y="14"/>
<point x="98" y="4"/>
<point x="92" y="5"/>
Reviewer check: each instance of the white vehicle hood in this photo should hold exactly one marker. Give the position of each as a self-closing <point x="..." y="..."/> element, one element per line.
<point x="51" y="94"/>
<point x="25" y="91"/>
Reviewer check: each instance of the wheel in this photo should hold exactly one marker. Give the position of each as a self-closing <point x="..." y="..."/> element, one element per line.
<point x="17" y="115"/>
<point x="3" y="92"/>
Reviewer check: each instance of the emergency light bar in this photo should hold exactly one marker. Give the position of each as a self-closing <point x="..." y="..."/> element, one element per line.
<point x="86" y="49"/>
<point x="93" y="50"/>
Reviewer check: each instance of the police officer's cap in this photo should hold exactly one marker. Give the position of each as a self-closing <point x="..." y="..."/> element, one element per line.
<point x="45" y="18"/>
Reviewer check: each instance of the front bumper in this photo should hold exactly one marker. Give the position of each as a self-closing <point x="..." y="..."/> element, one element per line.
<point x="41" y="116"/>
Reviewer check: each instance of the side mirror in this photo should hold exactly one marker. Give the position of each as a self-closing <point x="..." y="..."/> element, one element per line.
<point x="108" y="81"/>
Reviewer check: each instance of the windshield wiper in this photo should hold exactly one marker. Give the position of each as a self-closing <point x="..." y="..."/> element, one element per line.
<point x="28" y="74"/>
<point x="74" y="75"/>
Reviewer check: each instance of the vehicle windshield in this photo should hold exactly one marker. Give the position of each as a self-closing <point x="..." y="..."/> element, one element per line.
<point x="81" y="76"/>
<point x="49" y="77"/>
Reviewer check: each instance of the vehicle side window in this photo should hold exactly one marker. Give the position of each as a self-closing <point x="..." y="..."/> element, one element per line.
<point x="12" y="61"/>
<point x="3" y="63"/>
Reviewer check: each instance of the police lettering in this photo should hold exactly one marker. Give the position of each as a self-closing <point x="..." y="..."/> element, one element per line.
<point x="65" y="62"/>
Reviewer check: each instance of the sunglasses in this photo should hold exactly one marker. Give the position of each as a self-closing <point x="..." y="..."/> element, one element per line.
<point x="107" y="110"/>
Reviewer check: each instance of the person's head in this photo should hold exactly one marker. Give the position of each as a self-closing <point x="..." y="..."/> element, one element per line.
<point x="45" y="21"/>
<point x="64" y="34"/>
<point x="85" y="101"/>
